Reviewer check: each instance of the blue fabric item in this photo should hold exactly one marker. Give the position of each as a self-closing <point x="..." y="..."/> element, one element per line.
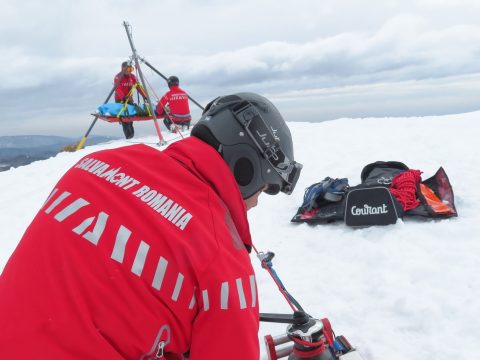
<point x="112" y="109"/>
<point x="328" y="189"/>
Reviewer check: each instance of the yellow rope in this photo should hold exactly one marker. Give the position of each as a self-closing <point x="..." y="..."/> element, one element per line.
<point x="124" y="107"/>
<point x="148" y="110"/>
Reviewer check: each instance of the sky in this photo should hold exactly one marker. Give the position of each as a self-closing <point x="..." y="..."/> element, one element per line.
<point x="316" y="60"/>
<point x="403" y="291"/>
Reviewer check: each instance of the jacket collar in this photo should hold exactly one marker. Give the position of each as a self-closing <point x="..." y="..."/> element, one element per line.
<point x="207" y="165"/>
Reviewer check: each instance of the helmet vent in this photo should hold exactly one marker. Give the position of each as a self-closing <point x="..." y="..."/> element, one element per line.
<point x="243" y="171"/>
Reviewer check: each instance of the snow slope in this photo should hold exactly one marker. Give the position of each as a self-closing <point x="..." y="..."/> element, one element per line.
<point x="405" y="291"/>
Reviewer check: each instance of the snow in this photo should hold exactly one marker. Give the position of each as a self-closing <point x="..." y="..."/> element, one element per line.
<point x="404" y="291"/>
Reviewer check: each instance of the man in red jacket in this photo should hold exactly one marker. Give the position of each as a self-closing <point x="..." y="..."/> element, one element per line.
<point x="123" y="94"/>
<point x="142" y="254"/>
<point x="173" y="106"/>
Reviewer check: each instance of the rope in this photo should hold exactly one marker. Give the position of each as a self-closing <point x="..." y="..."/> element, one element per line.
<point x="328" y="332"/>
<point x="147" y="106"/>
<point x="153" y="91"/>
<point x="124" y="107"/>
<point x="165" y="110"/>
<point x="130" y="93"/>
<point x="138" y="95"/>
<point x="157" y="99"/>
<point x="308" y="354"/>
<point x="404" y="188"/>
<point x="279" y="284"/>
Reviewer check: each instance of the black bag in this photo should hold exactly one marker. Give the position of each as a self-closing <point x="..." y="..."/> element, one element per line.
<point x="436" y="197"/>
<point x="370" y="203"/>
<point x="366" y="206"/>
<point x="381" y="173"/>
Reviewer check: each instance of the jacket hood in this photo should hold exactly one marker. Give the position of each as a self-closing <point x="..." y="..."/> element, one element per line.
<point x="206" y="164"/>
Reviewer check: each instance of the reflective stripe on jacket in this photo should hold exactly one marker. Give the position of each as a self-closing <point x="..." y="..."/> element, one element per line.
<point x="135" y="249"/>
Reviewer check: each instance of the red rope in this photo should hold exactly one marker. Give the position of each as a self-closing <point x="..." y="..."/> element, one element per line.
<point x="305" y="354"/>
<point x="308" y="343"/>
<point x="404" y="188"/>
<point x="328" y="331"/>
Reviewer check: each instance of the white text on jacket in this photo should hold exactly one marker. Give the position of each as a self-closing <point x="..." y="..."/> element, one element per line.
<point x="158" y="202"/>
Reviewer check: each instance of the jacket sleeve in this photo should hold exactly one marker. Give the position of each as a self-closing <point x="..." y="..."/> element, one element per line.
<point x="118" y="93"/>
<point x="160" y="110"/>
<point x="227" y="334"/>
<point x="227" y="320"/>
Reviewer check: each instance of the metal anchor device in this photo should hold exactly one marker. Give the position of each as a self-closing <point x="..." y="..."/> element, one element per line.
<point x="305" y="336"/>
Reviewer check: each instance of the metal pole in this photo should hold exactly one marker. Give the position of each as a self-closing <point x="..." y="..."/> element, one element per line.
<point x="137" y="64"/>
<point x="165" y="78"/>
<point x="84" y="138"/>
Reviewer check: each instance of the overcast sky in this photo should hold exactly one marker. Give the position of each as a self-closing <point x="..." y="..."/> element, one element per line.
<point x="316" y="60"/>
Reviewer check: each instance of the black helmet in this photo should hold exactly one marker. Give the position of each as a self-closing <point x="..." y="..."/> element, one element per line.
<point x="254" y="140"/>
<point x="173" y="81"/>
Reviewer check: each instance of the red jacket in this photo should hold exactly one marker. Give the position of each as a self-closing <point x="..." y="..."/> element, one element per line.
<point x="133" y="247"/>
<point x="174" y="104"/>
<point x="125" y="85"/>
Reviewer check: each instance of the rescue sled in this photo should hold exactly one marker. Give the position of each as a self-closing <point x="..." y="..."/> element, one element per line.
<point x="116" y="112"/>
<point x="112" y="119"/>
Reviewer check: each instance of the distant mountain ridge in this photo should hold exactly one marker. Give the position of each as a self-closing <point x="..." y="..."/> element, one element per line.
<point x="30" y="141"/>
<point x="24" y="149"/>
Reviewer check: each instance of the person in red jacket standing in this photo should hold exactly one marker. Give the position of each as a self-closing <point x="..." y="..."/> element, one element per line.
<point x="125" y="81"/>
<point x="173" y="106"/>
<point x="143" y="254"/>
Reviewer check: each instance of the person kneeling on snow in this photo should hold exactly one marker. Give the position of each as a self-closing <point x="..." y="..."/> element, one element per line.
<point x="139" y="253"/>
<point x="174" y="107"/>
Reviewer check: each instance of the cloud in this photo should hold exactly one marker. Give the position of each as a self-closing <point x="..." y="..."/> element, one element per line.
<point x="405" y="98"/>
<point x="404" y="48"/>
<point x="64" y="61"/>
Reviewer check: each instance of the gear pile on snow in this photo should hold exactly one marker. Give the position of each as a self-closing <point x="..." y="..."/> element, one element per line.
<point x="389" y="190"/>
